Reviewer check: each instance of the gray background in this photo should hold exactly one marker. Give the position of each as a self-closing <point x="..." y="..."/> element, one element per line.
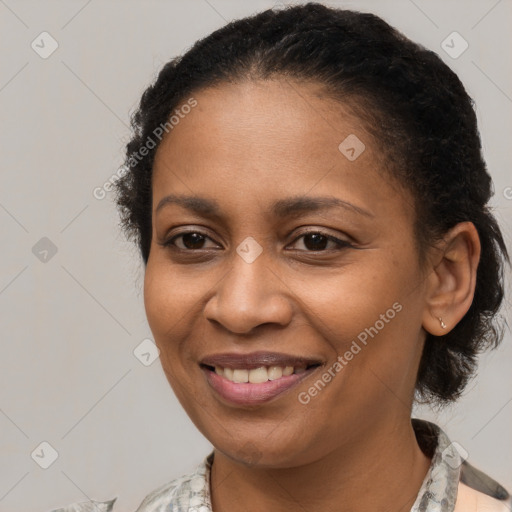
<point x="69" y="325"/>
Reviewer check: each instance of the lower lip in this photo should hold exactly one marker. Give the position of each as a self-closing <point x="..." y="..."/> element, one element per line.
<point x="246" y="393"/>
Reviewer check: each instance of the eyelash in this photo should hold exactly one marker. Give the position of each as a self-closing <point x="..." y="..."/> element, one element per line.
<point x="342" y="244"/>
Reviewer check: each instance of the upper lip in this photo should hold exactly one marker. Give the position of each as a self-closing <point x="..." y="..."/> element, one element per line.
<point x="256" y="360"/>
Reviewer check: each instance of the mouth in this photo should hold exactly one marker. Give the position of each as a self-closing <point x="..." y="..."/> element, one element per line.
<point x="256" y="378"/>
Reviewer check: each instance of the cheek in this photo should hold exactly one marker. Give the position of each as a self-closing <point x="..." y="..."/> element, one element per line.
<point x="171" y="305"/>
<point x="168" y="296"/>
<point x="342" y="304"/>
<point x="368" y="313"/>
<point x="167" y="303"/>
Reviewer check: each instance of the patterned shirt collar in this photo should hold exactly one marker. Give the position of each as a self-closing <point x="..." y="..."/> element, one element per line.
<point x="438" y="491"/>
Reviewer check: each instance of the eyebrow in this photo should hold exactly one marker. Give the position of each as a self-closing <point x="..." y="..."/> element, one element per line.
<point x="291" y="206"/>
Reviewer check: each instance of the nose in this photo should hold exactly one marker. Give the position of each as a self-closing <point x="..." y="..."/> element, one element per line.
<point x="249" y="295"/>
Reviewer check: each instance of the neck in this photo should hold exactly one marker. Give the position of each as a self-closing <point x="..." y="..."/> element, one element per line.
<point x="381" y="472"/>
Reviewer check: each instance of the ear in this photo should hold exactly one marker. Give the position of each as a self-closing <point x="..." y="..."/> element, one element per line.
<point x="452" y="280"/>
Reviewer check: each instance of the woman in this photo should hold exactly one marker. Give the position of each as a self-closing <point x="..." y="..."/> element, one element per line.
<point x="308" y="193"/>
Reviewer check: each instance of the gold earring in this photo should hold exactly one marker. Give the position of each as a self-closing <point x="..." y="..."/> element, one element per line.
<point x="443" y="325"/>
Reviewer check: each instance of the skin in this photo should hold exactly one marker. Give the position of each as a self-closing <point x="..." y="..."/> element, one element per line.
<point x="246" y="146"/>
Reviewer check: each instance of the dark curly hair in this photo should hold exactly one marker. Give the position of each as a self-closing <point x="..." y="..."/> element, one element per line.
<point x="414" y="106"/>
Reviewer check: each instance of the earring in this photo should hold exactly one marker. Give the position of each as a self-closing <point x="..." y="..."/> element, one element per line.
<point x="443" y="325"/>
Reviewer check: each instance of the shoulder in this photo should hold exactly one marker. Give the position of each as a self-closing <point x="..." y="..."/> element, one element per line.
<point x="471" y="500"/>
<point x="182" y="494"/>
<point x="478" y="492"/>
<point x="452" y="483"/>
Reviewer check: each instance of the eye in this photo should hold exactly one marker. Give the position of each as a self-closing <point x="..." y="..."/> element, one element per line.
<point x="318" y="241"/>
<point x="188" y="241"/>
<point x="312" y="241"/>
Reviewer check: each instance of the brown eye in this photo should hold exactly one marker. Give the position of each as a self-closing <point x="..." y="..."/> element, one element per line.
<point x="193" y="240"/>
<point x="190" y="240"/>
<point x="315" y="241"/>
<point x="318" y="241"/>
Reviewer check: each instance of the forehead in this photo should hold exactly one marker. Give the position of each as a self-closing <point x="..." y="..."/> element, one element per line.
<point x="260" y="118"/>
<point x="273" y="137"/>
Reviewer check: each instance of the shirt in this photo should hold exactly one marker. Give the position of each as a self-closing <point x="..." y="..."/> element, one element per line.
<point x="450" y="485"/>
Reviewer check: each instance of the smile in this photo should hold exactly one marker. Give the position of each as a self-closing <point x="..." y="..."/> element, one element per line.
<point x="256" y="378"/>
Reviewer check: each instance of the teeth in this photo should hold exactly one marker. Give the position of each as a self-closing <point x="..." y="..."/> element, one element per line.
<point x="258" y="375"/>
<point x="275" y="372"/>
<point x="288" y="370"/>
<point x="240" y="375"/>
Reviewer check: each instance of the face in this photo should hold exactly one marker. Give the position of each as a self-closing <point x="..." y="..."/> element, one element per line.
<point x="281" y="259"/>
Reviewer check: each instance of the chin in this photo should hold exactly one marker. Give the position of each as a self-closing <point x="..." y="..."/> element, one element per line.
<point x="255" y="452"/>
